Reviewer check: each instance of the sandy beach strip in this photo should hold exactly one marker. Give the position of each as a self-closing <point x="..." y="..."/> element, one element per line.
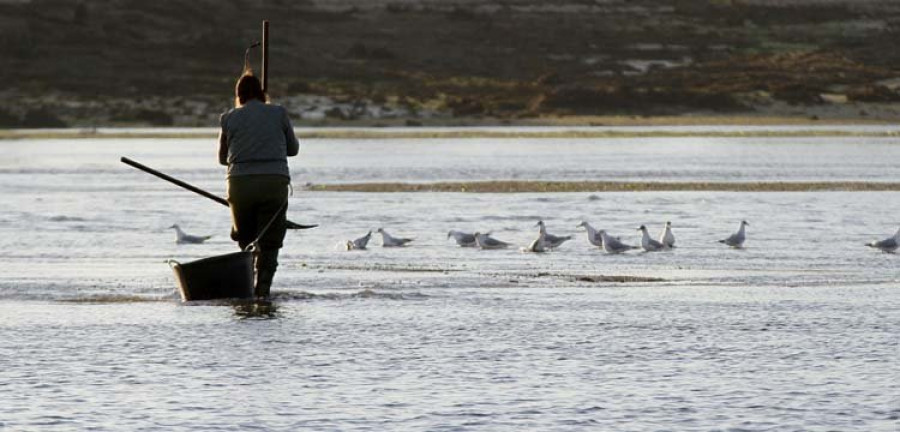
<point x="514" y="186"/>
<point x="522" y="131"/>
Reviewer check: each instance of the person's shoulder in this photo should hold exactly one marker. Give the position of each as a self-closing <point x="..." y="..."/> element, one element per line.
<point x="224" y="116"/>
<point x="278" y="110"/>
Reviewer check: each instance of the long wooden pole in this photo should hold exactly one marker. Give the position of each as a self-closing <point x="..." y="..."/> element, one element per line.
<point x="195" y="189"/>
<point x="265" y="55"/>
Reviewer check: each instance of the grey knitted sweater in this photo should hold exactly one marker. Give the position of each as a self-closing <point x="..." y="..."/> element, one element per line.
<point x="257" y="138"/>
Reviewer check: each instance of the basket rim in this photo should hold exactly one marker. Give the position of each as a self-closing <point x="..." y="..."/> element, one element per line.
<point x="217" y="258"/>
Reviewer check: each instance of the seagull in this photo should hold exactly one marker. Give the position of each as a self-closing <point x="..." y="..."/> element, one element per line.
<point x="388" y="241"/>
<point x="360" y="243"/>
<point x="593" y="237"/>
<point x="551" y="241"/>
<point x="613" y="245"/>
<point x="181" y="237"/>
<point x="462" y="239"/>
<point x="666" y="237"/>
<point x="888" y="245"/>
<point x="647" y="243"/>
<point x="538" y="245"/>
<point x="485" y="241"/>
<point x="736" y="240"/>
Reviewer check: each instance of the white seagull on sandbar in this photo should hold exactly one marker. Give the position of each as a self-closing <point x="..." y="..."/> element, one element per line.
<point x="592" y="235"/>
<point x="666" y="237"/>
<point x="736" y="240"/>
<point x="183" y="238"/>
<point x="485" y="241"/>
<point x="360" y="243"/>
<point x="888" y="245"/>
<point x="612" y="245"/>
<point x="647" y="243"/>
<point x="389" y="241"/>
<point x="551" y="241"/>
<point x="463" y="239"/>
<point x="537" y="246"/>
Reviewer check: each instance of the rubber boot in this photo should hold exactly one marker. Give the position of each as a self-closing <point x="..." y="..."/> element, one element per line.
<point x="266" y="263"/>
<point x="263" y="283"/>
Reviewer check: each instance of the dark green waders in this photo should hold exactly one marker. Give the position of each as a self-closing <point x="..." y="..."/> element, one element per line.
<point x="254" y="201"/>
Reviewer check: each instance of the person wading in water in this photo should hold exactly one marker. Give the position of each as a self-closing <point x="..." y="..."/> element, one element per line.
<point x="255" y="141"/>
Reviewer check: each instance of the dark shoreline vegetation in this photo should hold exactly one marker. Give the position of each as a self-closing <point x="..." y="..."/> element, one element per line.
<point x="466" y="62"/>
<point x="510" y="186"/>
<point x="464" y="133"/>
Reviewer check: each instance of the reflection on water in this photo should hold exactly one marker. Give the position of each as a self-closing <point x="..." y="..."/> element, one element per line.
<point x="255" y="309"/>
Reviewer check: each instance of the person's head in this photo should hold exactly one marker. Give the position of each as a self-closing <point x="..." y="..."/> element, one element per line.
<point x="247" y="88"/>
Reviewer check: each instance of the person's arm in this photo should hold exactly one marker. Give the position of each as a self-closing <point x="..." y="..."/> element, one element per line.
<point x="223" y="143"/>
<point x="293" y="146"/>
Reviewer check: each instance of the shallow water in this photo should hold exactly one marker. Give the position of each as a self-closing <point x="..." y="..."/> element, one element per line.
<point x="798" y="331"/>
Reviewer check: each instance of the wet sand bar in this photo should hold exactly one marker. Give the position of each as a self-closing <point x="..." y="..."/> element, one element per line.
<point x="504" y="186"/>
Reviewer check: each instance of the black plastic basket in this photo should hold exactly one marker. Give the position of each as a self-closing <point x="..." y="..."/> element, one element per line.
<point x="217" y="277"/>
